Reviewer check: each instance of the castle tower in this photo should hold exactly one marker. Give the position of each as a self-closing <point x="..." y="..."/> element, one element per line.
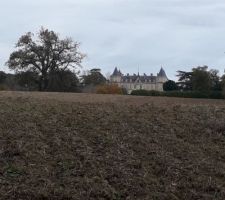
<point x="160" y="79"/>
<point x="116" y="76"/>
<point x="161" y="76"/>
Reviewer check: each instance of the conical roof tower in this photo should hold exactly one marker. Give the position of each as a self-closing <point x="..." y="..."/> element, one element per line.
<point x="162" y="73"/>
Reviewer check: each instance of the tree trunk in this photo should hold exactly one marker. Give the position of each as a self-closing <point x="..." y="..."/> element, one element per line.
<point x="40" y="84"/>
<point x="43" y="82"/>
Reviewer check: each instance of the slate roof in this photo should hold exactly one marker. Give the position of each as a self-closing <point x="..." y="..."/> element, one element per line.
<point x="139" y="78"/>
<point x="162" y="73"/>
<point x="117" y="72"/>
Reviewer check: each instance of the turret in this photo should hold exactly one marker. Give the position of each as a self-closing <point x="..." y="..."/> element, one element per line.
<point x="116" y="76"/>
<point x="161" y="76"/>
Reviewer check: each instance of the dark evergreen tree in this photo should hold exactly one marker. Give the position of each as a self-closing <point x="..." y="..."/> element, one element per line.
<point x="170" y="86"/>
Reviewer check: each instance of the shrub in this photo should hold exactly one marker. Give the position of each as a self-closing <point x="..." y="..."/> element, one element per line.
<point x="182" y="94"/>
<point x="216" y="95"/>
<point x="186" y="94"/>
<point x="2" y="87"/>
<point x="110" y="89"/>
<point x="223" y="92"/>
<point x="140" y="93"/>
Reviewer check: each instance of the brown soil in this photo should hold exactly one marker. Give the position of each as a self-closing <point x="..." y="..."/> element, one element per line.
<point x="84" y="146"/>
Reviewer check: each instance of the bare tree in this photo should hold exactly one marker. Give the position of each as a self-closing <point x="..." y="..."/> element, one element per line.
<point x="45" y="53"/>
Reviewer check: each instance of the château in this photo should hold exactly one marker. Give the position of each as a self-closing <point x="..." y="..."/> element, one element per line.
<point x="139" y="82"/>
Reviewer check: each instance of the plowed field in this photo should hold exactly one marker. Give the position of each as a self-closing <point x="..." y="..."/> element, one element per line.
<point x="85" y="146"/>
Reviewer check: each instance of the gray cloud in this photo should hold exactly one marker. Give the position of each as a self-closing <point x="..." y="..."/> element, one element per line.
<point x="177" y="34"/>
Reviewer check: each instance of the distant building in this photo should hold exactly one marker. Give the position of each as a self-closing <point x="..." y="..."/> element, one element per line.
<point x="137" y="82"/>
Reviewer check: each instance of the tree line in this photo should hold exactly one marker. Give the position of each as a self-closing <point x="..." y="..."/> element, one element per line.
<point x="199" y="79"/>
<point x="45" y="62"/>
<point x="57" y="81"/>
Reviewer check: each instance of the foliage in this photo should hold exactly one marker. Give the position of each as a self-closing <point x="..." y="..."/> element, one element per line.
<point x="3" y="77"/>
<point x="2" y="87"/>
<point x="170" y="86"/>
<point x="185" y="80"/>
<point x="146" y="93"/>
<point x="44" y="54"/>
<point x="27" y="80"/>
<point x="110" y="89"/>
<point x="10" y="82"/>
<point x="201" y="79"/>
<point x="58" y="81"/>
<point x="216" y="84"/>
<point x="182" y="94"/>
<point x="63" y="81"/>
<point x="223" y="84"/>
<point x="194" y="94"/>
<point x="94" y="77"/>
<point x="223" y="80"/>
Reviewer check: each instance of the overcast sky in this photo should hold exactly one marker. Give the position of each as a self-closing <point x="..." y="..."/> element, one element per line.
<point x="129" y="34"/>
